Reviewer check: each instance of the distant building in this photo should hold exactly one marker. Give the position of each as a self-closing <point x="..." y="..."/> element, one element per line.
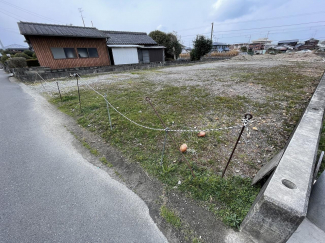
<point x="186" y="50"/>
<point x="220" y="47"/>
<point x="288" y="42"/>
<point x="258" y="46"/>
<point x="262" y="41"/>
<point x="126" y="47"/>
<point x="238" y="46"/>
<point x="311" y="41"/>
<point x="310" y="44"/>
<point x="16" y="48"/>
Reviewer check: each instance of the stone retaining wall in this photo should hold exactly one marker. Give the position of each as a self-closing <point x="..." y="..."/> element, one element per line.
<point x="29" y="74"/>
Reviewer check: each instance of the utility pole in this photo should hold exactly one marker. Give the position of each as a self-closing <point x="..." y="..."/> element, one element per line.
<point x="211" y="31"/>
<point x="249" y="41"/>
<point x="92" y="23"/>
<point x="267" y="36"/>
<point x="82" y="17"/>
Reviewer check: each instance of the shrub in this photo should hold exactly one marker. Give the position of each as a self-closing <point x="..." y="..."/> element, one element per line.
<point x="243" y="49"/>
<point x="4" y="58"/>
<point x="34" y="55"/>
<point x="29" y="53"/>
<point x="32" y="62"/>
<point x="202" y="46"/>
<point x="194" y="56"/>
<point x="22" y="55"/>
<point x="224" y="54"/>
<point x="17" y="62"/>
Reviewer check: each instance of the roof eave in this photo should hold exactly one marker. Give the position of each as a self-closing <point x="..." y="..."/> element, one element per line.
<point x="95" y="37"/>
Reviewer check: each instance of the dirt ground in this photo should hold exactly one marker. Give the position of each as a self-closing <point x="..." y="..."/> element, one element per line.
<point x="235" y="77"/>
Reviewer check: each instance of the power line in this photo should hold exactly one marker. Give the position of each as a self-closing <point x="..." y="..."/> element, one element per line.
<point x="239" y="22"/>
<point x="276" y="31"/>
<point x="29" y="12"/>
<point x="7" y="13"/>
<point x="277" y="26"/>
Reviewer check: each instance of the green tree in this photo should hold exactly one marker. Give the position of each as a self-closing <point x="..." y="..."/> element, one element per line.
<point x="22" y="55"/>
<point x="4" y="58"/>
<point x="168" y="40"/>
<point x="29" y="53"/>
<point x="243" y="48"/>
<point x="202" y="46"/>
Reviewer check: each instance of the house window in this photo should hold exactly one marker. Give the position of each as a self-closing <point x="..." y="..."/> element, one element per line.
<point x="58" y="53"/>
<point x="63" y="53"/>
<point x="70" y="52"/>
<point x="92" y="52"/>
<point x="87" y="52"/>
<point x="82" y="52"/>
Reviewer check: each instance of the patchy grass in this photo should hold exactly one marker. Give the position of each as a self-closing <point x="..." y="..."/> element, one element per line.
<point x="104" y="161"/>
<point x="91" y="149"/>
<point x="185" y="107"/>
<point x="170" y="216"/>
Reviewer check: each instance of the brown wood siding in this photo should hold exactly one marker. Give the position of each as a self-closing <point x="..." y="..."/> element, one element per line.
<point x="42" y="47"/>
<point x="156" y="55"/>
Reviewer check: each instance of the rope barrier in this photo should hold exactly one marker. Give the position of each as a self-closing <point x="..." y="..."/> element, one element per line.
<point x="163" y="129"/>
<point x="245" y="122"/>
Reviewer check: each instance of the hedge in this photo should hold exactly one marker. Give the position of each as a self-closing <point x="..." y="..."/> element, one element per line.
<point x="32" y="63"/>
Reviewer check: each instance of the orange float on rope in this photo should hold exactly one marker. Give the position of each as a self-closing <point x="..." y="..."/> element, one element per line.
<point x="201" y="134"/>
<point x="183" y="148"/>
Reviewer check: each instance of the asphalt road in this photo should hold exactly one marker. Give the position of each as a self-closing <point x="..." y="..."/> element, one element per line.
<point x="49" y="192"/>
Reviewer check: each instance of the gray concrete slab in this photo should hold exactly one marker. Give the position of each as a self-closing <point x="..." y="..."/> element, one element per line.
<point x="49" y="192"/>
<point x="268" y="168"/>
<point x="316" y="209"/>
<point x="307" y="232"/>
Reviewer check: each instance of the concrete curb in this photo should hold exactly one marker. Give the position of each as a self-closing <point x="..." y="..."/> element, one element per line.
<point x="282" y="203"/>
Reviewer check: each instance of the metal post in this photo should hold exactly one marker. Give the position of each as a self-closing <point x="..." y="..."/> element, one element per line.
<point x="76" y="75"/>
<point x="109" y="116"/>
<point x="163" y="150"/>
<point x="162" y="122"/>
<point x="211" y="31"/>
<point x="246" y="118"/>
<point x="37" y="74"/>
<point x="57" y="83"/>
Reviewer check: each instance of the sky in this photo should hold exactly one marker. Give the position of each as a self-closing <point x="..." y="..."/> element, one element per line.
<point x="234" y="21"/>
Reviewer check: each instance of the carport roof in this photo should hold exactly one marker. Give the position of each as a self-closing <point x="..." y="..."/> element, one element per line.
<point x="128" y="38"/>
<point x="28" y="28"/>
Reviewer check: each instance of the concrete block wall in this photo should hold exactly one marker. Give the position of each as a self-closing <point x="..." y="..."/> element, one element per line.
<point x="29" y="74"/>
<point x="283" y="201"/>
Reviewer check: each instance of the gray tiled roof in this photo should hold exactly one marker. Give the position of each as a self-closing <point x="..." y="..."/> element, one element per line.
<point x="27" y="28"/>
<point x="219" y="44"/>
<point x="288" y="41"/>
<point x="128" y="38"/>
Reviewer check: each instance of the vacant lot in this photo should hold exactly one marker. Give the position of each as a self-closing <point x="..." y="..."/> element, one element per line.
<point x="274" y="89"/>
